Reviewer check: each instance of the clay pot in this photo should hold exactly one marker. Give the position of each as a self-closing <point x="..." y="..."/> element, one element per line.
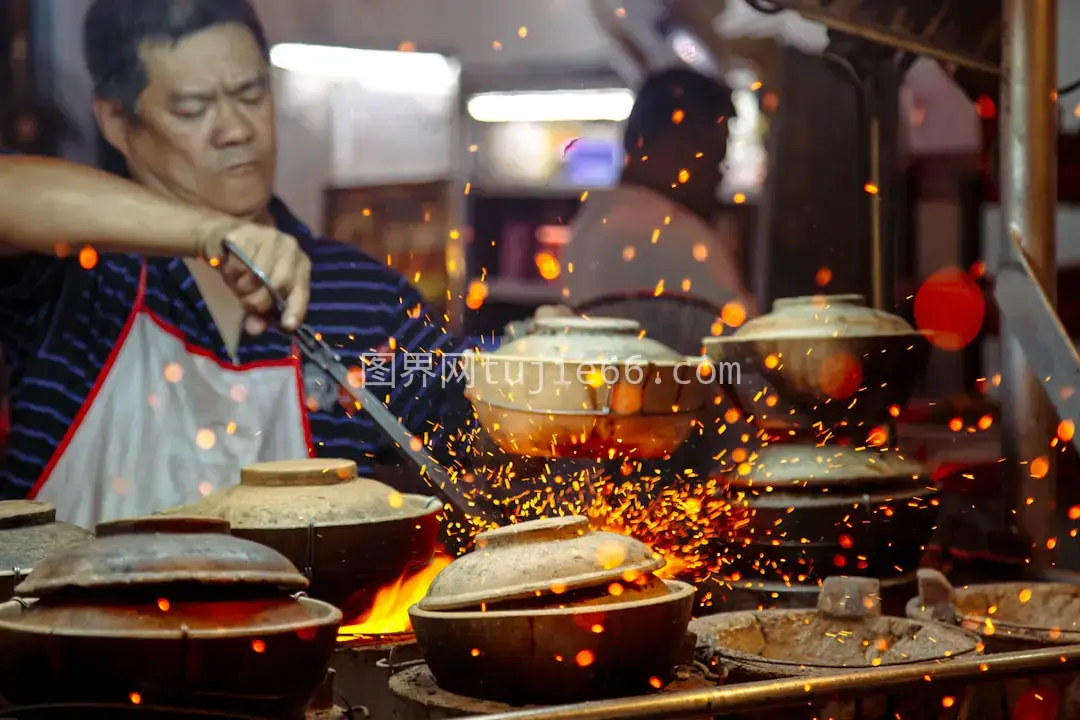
<point x="822" y="360"/>
<point x="557" y="655"/>
<point x="585" y="386"/>
<point x="547" y="611"/>
<point x="170" y="612"/>
<point x="350" y="535"/>
<point x="810" y="510"/>
<point x="28" y="533"/>
<point x="540" y="558"/>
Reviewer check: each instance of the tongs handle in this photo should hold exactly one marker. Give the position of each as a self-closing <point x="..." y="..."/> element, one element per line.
<point x="279" y="302"/>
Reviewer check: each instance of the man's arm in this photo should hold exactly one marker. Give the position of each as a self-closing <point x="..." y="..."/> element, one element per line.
<point x="47" y="201"/>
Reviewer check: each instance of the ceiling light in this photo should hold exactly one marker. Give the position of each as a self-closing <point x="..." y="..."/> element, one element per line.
<point x="383" y="70"/>
<point x="554" y="106"/>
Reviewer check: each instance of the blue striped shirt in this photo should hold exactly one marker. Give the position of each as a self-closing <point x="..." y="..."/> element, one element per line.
<point x="58" y="323"/>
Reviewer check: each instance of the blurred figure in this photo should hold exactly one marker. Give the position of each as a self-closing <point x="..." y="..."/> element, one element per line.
<point x="656" y="226"/>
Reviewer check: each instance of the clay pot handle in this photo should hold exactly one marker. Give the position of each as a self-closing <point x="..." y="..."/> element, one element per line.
<point x="937" y="595"/>
<point x="25" y="513"/>
<point x="850" y="598"/>
<point x="292" y="473"/>
<point x="537" y="531"/>
<point x="935" y="590"/>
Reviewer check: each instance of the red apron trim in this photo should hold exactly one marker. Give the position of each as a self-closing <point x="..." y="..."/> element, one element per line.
<point x="210" y="355"/>
<point x="303" y="403"/>
<point x="99" y="382"/>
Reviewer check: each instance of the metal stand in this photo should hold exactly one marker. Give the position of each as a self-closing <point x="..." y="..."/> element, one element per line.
<point x="1033" y="338"/>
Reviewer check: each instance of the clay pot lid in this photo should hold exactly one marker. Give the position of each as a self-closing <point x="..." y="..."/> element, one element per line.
<point x="823" y="316"/>
<point x="162" y="550"/>
<point x="310" y="492"/>
<point x="582" y="339"/>
<point x="538" y="557"/>
<point x="29" y="533"/>
<point x="25" y="513"/>
<point x="807" y="465"/>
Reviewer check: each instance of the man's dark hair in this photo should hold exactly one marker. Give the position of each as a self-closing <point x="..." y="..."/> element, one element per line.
<point x="114" y="30"/>
<point x="672" y="99"/>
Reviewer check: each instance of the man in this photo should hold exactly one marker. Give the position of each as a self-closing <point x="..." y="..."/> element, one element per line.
<point x="656" y="226"/>
<point x="144" y="371"/>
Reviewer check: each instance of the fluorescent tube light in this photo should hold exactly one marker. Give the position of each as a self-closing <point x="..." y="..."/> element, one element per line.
<point x="555" y="106"/>
<point x="384" y="70"/>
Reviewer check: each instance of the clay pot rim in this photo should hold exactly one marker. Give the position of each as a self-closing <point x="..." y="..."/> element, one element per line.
<point x="678" y="590"/>
<point x="811" y="338"/>
<point x="224" y="578"/>
<point x="690" y="410"/>
<point x="327" y="614"/>
<point x="757" y="660"/>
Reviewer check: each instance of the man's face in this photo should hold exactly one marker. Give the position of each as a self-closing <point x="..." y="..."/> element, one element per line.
<point x="205" y="132"/>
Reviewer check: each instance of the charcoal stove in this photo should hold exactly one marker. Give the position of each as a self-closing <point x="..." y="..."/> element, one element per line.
<point x="418" y="697"/>
<point x="363" y="666"/>
<point x="845" y="632"/>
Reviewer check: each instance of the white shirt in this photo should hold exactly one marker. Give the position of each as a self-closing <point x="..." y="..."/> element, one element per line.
<point x="632" y="238"/>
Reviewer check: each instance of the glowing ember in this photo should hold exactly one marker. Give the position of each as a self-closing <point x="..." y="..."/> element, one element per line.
<point x="389" y="611"/>
<point x="88" y="258"/>
<point x="733" y="314"/>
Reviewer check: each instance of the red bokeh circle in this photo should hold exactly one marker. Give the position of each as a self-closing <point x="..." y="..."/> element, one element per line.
<point x="950" y="308"/>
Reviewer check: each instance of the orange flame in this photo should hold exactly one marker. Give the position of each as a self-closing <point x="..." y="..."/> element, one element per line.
<point x="389" y="611"/>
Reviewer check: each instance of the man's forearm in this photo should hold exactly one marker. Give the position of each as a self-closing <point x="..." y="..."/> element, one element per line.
<point x="45" y="202"/>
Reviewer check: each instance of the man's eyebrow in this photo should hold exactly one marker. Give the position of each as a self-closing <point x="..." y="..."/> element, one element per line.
<point x="179" y="96"/>
<point x="240" y="88"/>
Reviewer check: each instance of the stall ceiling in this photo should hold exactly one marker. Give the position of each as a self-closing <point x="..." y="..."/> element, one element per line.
<point x="481" y="33"/>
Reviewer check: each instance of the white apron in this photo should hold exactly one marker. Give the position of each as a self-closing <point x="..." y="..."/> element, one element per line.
<point x="167" y="423"/>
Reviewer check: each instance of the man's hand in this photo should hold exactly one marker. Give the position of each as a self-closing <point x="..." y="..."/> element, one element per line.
<point x="280" y="258"/>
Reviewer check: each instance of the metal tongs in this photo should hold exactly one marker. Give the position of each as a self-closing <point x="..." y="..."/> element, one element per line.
<point x="407" y="445"/>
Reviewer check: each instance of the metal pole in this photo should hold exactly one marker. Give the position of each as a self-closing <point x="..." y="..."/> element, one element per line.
<point x="1029" y="194"/>
<point x="753" y="697"/>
